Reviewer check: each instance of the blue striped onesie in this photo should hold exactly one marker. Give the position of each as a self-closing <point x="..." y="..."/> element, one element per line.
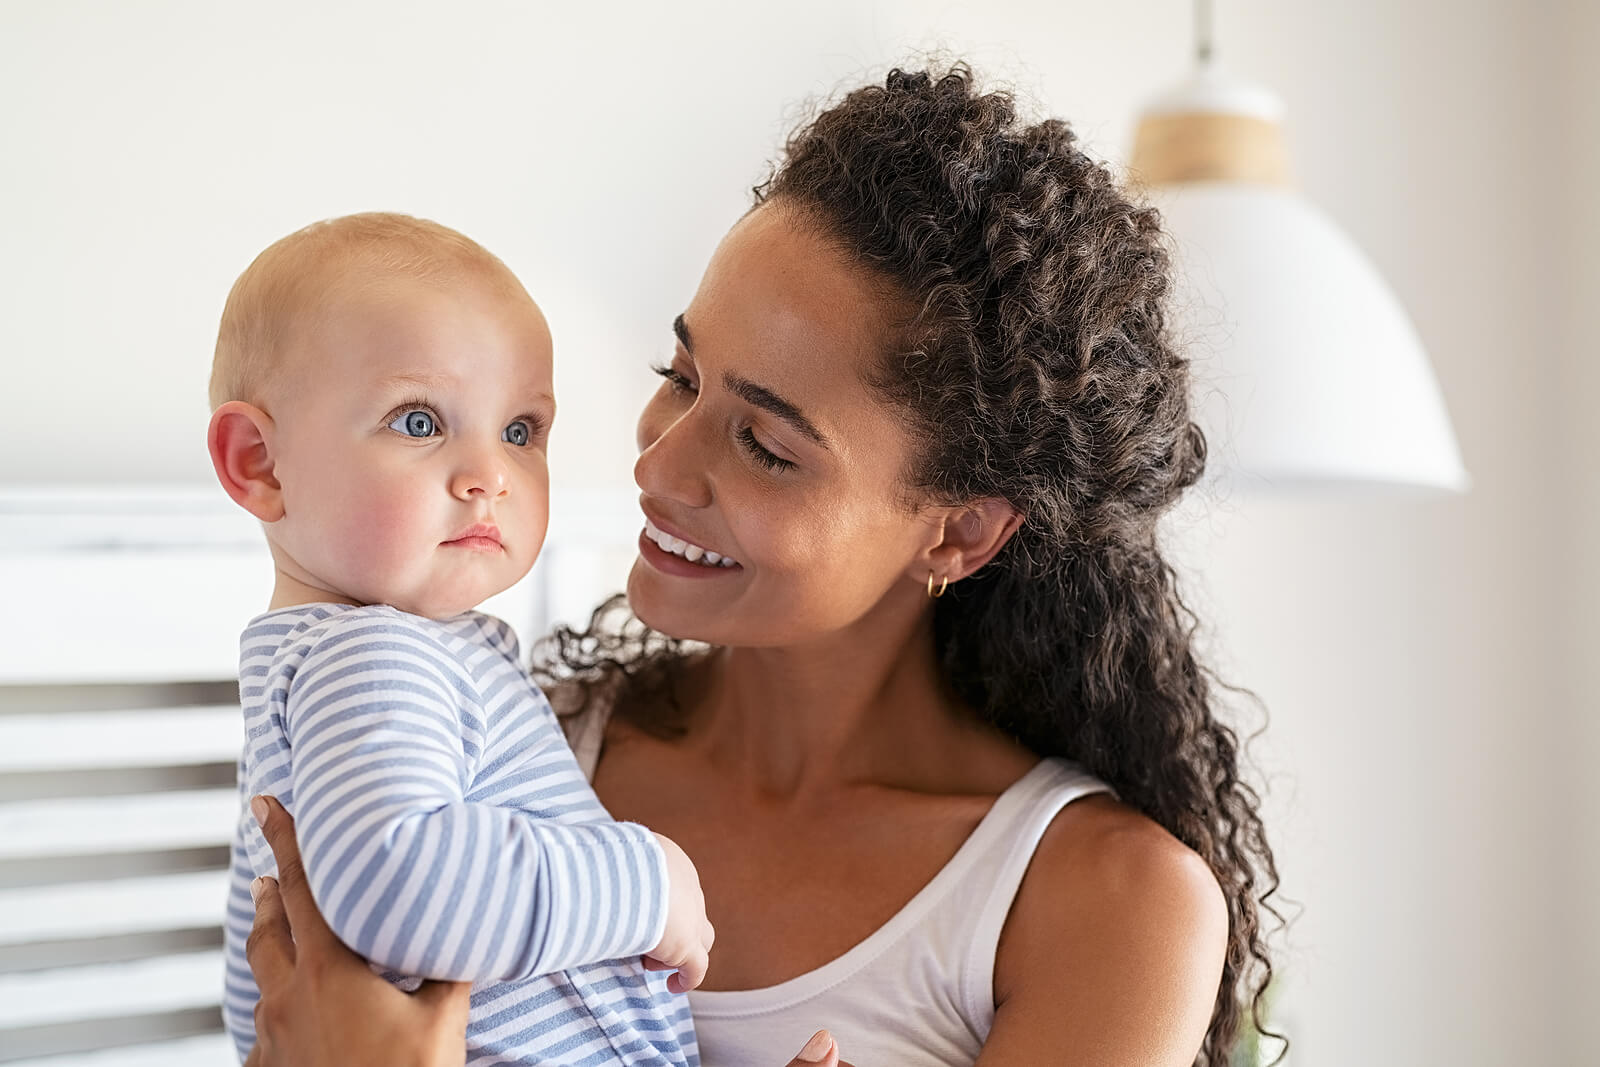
<point x="447" y="832"/>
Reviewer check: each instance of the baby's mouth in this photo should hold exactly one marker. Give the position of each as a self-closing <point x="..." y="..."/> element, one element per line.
<point x="479" y="535"/>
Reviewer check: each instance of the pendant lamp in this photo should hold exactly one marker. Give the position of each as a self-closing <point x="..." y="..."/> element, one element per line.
<point x="1308" y="371"/>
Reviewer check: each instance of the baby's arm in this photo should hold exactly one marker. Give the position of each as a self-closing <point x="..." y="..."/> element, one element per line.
<point x="409" y="874"/>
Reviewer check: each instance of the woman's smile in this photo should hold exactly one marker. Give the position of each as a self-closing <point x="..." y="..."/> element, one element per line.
<point x="690" y="551"/>
<point x="675" y="556"/>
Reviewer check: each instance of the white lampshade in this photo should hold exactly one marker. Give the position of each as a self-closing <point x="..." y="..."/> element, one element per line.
<point x="1308" y="371"/>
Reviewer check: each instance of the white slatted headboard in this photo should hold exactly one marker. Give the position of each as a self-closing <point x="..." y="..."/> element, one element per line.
<point x="119" y="736"/>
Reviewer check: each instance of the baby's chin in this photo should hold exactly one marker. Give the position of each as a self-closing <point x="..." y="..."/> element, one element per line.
<point x="437" y="610"/>
<point x="443" y="597"/>
<point x="427" y="604"/>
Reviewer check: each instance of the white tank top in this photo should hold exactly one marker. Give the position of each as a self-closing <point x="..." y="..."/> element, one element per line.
<point x="919" y="991"/>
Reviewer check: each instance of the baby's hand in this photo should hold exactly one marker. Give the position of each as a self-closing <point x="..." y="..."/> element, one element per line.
<point x="686" y="945"/>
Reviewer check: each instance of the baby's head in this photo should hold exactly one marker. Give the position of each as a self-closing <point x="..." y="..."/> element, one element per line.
<point x="382" y="400"/>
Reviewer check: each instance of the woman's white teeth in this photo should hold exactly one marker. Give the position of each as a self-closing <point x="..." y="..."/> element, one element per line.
<point x="679" y="547"/>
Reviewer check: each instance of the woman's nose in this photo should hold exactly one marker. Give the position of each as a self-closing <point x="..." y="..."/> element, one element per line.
<point x="673" y="459"/>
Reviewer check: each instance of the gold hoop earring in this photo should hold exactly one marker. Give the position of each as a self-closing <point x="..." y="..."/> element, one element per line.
<point x="944" y="581"/>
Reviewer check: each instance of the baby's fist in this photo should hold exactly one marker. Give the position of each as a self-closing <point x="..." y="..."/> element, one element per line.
<point x="686" y="945"/>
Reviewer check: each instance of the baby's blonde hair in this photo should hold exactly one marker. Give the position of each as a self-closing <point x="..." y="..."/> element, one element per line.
<point x="296" y="278"/>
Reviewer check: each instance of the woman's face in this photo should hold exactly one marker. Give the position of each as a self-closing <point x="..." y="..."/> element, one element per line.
<point x="764" y="446"/>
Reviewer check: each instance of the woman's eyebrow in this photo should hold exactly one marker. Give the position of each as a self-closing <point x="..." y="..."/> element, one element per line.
<point x="756" y="395"/>
<point x="764" y="398"/>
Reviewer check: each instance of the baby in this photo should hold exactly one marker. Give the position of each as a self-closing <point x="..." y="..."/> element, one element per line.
<point x="382" y="401"/>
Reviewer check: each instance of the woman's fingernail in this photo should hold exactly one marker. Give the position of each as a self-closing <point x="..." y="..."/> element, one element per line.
<point x="255" y="890"/>
<point x="816" y="1049"/>
<point x="258" y="808"/>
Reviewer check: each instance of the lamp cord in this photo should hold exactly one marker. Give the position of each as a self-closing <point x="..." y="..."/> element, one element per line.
<point x="1202" y="32"/>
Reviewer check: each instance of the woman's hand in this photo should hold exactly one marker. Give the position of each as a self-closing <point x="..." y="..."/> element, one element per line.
<point x="821" y="1051"/>
<point x="321" y="1006"/>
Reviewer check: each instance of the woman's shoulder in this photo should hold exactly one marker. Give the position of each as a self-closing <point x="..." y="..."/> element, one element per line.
<point x="1102" y="854"/>
<point x="1114" y="891"/>
<point x="1101" y="847"/>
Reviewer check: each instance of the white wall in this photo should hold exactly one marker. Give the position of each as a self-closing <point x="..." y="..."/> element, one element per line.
<point x="1424" y="738"/>
<point x="1577" y="502"/>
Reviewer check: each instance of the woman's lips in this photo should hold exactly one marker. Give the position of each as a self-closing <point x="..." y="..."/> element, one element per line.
<point x="681" y="546"/>
<point x="667" y="563"/>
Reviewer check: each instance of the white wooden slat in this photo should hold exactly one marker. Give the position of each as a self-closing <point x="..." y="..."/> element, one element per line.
<point x="142" y="987"/>
<point x="171" y="615"/>
<point x="141" y="737"/>
<point x="210" y="1050"/>
<point x="110" y="517"/>
<point x="91" y="825"/>
<point x="119" y="906"/>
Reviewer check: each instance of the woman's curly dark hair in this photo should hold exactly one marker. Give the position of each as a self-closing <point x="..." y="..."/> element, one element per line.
<point x="1036" y="367"/>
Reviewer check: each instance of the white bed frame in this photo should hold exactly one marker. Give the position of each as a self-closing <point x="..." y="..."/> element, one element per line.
<point x="119" y="735"/>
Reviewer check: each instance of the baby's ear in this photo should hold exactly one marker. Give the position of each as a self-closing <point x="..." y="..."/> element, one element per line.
<point x="239" y="438"/>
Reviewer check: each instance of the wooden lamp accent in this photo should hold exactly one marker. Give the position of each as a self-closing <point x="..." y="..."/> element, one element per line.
<point x="1197" y="146"/>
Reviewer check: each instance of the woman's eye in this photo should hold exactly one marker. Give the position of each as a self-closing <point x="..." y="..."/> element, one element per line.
<point x="761" y="454"/>
<point x="415" y="423"/>
<point x="518" y="433"/>
<point x="680" y="382"/>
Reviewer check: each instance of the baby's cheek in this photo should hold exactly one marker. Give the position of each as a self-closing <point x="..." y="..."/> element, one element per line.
<point x="536" y="523"/>
<point x="383" y="532"/>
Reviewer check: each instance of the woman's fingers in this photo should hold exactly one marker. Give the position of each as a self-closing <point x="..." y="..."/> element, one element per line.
<point x="270" y="946"/>
<point x="277" y="825"/>
<point x="450" y="999"/>
<point x="821" y="1051"/>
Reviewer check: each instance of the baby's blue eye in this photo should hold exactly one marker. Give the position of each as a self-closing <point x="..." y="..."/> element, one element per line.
<point x="415" y="423"/>
<point x="517" y="433"/>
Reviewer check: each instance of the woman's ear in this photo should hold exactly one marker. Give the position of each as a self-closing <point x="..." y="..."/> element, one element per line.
<point x="972" y="534"/>
<point x="239" y="439"/>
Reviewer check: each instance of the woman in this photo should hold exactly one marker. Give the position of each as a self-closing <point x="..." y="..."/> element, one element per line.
<point x="924" y="402"/>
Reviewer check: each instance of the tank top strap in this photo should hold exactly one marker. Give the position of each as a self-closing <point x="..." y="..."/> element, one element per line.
<point x="586" y="734"/>
<point x="1011" y="834"/>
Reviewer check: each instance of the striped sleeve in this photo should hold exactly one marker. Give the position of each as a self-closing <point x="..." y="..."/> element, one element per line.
<point x="410" y="875"/>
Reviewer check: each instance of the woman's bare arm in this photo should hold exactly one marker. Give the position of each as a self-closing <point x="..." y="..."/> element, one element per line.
<point x="1113" y="951"/>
